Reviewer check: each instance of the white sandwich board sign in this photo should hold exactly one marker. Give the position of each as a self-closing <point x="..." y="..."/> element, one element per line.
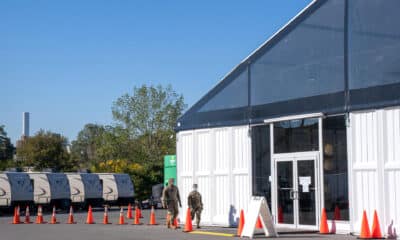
<point x="258" y="207"/>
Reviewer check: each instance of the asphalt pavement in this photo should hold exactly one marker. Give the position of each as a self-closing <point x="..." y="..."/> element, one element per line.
<point x="113" y="231"/>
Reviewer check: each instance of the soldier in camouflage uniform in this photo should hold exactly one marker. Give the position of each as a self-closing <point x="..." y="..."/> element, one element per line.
<point x="170" y="200"/>
<point x="195" y="204"/>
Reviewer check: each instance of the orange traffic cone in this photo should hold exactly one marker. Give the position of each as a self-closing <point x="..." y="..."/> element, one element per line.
<point x="337" y="215"/>
<point x="258" y="223"/>
<point x="280" y="215"/>
<point x="89" y="219"/>
<point x="152" y="217"/>
<point x="188" y="223"/>
<point x="53" y="216"/>
<point x="136" y="221"/>
<point x="71" y="216"/>
<point x="241" y="223"/>
<point x="376" y="228"/>
<point x="27" y="215"/>
<point x="323" y="227"/>
<point x="121" y="217"/>
<point x="39" y="218"/>
<point x="129" y="212"/>
<point x="105" y="217"/>
<point x="365" y="232"/>
<point x="16" y="219"/>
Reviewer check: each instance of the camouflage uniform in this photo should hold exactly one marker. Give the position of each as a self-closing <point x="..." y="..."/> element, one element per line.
<point x="196" y="206"/>
<point x="171" y="199"/>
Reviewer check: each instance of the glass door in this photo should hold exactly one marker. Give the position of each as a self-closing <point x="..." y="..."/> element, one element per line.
<point x="285" y="188"/>
<point x="296" y="192"/>
<point x="305" y="192"/>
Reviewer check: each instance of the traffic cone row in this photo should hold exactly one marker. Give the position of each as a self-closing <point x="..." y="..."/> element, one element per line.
<point x="374" y="232"/>
<point x="323" y="227"/>
<point x="365" y="232"/>
<point x="89" y="219"/>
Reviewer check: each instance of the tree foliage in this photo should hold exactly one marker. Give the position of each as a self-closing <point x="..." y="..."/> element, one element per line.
<point x="45" y="150"/>
<point x="144" y="133"/>
<point x="6" y="149"/>
<point x="84" y="148"/>
<point x="149" y="115"/>
<point x="148" y="110"/>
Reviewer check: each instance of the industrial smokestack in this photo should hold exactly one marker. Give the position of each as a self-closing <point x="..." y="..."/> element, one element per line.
<point x="25" y="124"/>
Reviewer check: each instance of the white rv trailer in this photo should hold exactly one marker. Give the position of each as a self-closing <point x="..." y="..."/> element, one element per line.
<point x="117" y="188"/>
<point x="85" y="189"/>
<point x="51" y="189"/>
<point x="15" y="189"/>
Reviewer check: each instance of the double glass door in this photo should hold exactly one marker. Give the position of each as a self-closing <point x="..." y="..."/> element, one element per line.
<point x="296" y="191"/>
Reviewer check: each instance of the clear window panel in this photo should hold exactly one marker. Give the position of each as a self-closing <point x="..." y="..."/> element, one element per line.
<point x="285" y="192"/>
<point x="335" y="168"/>
<point x="296" y="135"/>
<point x="306" y="195"/>
<point x="261" y="162"/>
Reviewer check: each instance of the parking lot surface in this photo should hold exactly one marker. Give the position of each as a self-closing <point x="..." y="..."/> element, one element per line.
<point x="99" y="231"/>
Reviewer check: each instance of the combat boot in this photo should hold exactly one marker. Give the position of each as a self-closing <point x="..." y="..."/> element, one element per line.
<point x="168" y="221"/>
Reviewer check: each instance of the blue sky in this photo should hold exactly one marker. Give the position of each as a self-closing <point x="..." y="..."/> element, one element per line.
<point x="65" y="62"/>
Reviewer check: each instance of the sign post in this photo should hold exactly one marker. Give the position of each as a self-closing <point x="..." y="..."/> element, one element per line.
<point x="258" y="207"/>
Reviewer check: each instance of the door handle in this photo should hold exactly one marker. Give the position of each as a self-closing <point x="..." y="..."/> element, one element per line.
<point x="291" y="194"/>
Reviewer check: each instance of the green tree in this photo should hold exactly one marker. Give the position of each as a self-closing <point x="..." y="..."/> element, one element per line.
<point x="45" y="150"/>
<point x="149" y="115"/>
<point x="6" y="149"/>
<point x="148" y="110"/>
<point x="84" y="148"/>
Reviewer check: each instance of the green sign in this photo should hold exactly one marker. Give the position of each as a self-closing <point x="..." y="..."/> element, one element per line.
<point x="169" y="168"/>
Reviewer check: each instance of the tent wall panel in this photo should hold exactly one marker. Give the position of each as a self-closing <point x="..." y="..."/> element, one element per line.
<point x="224" y="177"/>
<point x="375" y="167"/>
<point x="391" y="145"/>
